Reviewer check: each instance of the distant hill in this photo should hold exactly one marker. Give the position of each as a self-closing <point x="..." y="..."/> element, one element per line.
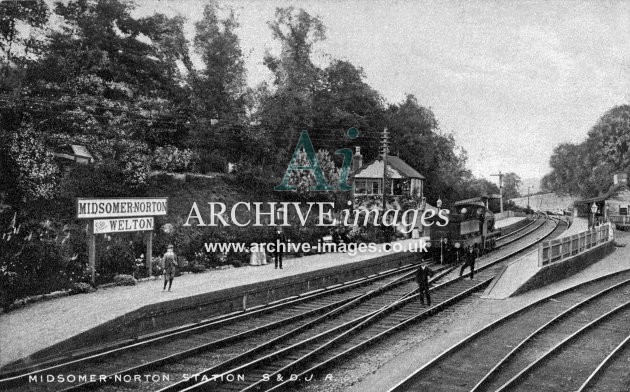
<point x="546" y="201"/>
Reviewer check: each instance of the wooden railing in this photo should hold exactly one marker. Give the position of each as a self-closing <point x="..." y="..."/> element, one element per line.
<point x="553" y="251"/>
<point x="619" y="219"/>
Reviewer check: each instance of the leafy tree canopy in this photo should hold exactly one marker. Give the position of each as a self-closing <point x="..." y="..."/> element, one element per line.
<point x="586" y="169"/>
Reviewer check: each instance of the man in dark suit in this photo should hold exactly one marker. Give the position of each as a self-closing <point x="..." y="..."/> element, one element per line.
<point x="422" y="277"/>
<point x="280" y="240"/>
<point x="469" y="261"/>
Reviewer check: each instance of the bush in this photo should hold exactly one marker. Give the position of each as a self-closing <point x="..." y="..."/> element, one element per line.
<point x="117" y="258"/>
<point x="196" y="268"/>
<point x="124" y="280"/>
<point x="236" y="263"/>
<point x="173" y="159"/>
<point x="213" y="161"/>
<point x="81" y="288"/>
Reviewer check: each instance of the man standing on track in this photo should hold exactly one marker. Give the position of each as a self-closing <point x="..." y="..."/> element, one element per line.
<point x="469" y="261"/>
<point x="170" y="264"/>
<point x="422" y="277"/>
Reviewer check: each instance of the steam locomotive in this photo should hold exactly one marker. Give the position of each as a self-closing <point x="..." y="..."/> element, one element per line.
<point x="471" y="224"/>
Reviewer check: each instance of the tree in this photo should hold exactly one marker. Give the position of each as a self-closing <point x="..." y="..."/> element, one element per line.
<point x="288" y="109"/>
<point x="343" y="100"/>
<point x="110" y="81"/>
<point x="586" y="168"/>
<point x="511" y="185"/>
<point x="218" y="88"/>
<point x="17" y="45"/>
<point x="417" y="140"/>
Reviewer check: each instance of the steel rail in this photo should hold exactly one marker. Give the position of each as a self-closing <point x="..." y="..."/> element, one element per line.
<point x="562" y="344"/>
<point x="21" y="375"/>
<point x="403" y="385"/>
<point x="373" y="317"/>
<point x="199" y="327"/>
<point x="333" y="310"/>
<point x="540" y="330"/>
<point x="603" y="364"/>
<point x="527" y="233"/>
<point x="235" y="361"/>
<point x="531" y="222"/>
<point x="403" y="324"/>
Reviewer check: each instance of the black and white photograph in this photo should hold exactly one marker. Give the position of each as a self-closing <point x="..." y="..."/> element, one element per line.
<point x="334" y="195"/>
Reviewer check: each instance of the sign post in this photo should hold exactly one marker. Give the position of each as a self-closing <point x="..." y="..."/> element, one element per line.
<point x="120" y="215"/>
<point x="92" y="251"/>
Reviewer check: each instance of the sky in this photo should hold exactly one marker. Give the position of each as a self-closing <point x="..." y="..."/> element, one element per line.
<point x="509" y="79"/>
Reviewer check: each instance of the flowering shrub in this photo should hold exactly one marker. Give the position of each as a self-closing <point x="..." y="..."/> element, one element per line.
<point x="124" y="280"/>
<point x="199" y="263"/>
<point x="157" y="265"/>
<point x="303" y="180"/>
<point x="81" y="287"/>
<point x="116" y="258"/>
<point x="36" y="173"/>
<point x="173" y="159"/>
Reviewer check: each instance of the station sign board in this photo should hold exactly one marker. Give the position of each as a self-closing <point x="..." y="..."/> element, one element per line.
<point x="120" y="215"/>
<point x="95" y="208"/>
<point x="121" y="225"/>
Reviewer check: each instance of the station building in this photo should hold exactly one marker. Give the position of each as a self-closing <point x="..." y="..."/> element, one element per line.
<point x="614" y="205"/>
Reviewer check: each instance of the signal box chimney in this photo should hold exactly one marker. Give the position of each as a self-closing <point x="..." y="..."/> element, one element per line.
<point x="357" y="160"/>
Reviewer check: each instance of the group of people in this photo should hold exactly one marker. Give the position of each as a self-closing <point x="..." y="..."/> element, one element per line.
<point x="423" y="273"/>
<point x="169" y="261"/>
<point x="454" y="254"/>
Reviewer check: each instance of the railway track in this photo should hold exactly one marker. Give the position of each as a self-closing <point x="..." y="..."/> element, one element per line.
<point x="321" y="299"/>
<point x="565" y="342"/>
<point x="288" y="332"/>
<point x="519" y="230"/>
<point x="523" y="231"/>
<point x="296" y="361"/>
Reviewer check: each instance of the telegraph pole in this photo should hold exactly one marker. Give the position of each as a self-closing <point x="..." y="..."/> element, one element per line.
<point x="500" y="175"/>
<point x="384" y="151"/>
<point x="528" y="195"/>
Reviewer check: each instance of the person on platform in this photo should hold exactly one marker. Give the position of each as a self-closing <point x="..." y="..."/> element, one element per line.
<point x="336" y="237"/>
<point x="469" y="261"/>
<point x="422" y="278"/>
<point x="280" y="243"/>
<point x="169" y="266"/>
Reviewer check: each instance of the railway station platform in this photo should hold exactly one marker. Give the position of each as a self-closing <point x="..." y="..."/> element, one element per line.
<point x="41" y="329"/>
<point x="508" y="222"/>
<point x="578" y="225"/>
<point x="49" y="324"/>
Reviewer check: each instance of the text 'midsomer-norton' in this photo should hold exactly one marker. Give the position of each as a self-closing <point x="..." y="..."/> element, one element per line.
<point x="127" y="207"/>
